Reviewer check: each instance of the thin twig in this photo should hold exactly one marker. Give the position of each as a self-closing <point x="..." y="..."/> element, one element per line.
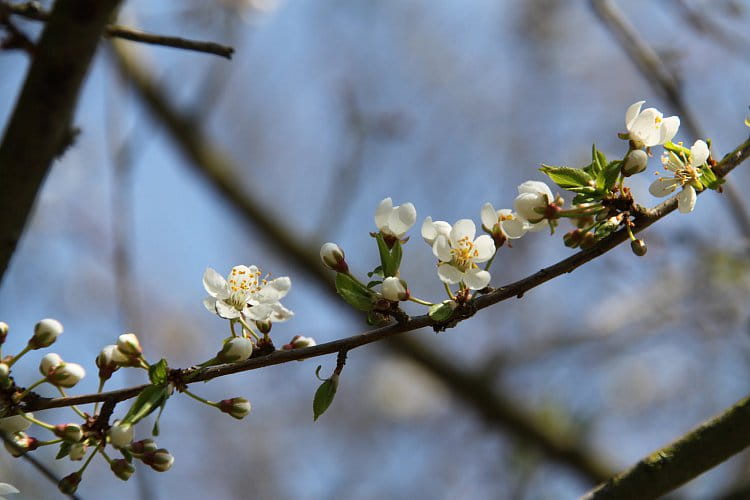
<point x="32" y="10"/>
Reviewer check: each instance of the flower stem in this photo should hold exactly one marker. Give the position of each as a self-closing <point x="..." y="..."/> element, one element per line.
<point x="73" y="407"/>
<point x="489" y="262"/>
<point x="198" y="398"/>
<point x="248" y="328"/>
<point x="420" y="301"/>
<point x="19" y="355"/>
<point x="231" y="327"/>
<point x="448" y="291"/>
<point x="88" y="460"/>
<point x="104" y="454"/>
<point x="630" y="231"/>
<point x="98" y="391"/>
<point x="34" y="421"/>
<point x="30" y="388"/>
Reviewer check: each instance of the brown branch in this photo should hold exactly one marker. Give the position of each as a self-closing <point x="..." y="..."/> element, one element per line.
<point x="40" y="125"/>
<point x="32" y="10"/>
<point x="691" y="455"/>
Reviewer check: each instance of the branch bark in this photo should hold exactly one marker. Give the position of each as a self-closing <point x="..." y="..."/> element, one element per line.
<point x="39" y="128"/>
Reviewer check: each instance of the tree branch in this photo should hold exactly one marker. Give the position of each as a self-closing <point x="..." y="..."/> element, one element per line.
<point x="691" y="455"/>
<point x="39" y="128"/>
<point x="32" y="10"/>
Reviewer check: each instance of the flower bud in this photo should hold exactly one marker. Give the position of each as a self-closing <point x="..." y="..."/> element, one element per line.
<point x="138" y="448"/>
<point x="49" y="363"/>
<point x="3" y="331"/>
<point x="635" y="162"/>
<point x="573" y="238"/>
<point x="69" y="484"/>
<point x="15" y="423"/>
<point x="108" y="361"/>
<point x="333" y="257"/>
<point x="160" y="460"/>
<point x="23" y="443"/>
<point x="395" y="289"/>
<point x="235" y="349"/>
<point x="299" y="341"/>
<point x="77" y="451"/>
<point x="264" y="327"/>
<point x="121" y="435"/>
<point x="4" y="371"/>
<point x="69" y="432"/>
<point x="60" y="373"/>
<point x="588" y="241"/>
<point x="122" y="468"/>
<point x="638" y="247"/>
<point x="45" y="333"/>
<point x="235" y="407"/>
<point x="128" y="344"/>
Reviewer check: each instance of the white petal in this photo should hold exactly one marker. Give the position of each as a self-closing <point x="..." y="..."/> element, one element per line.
<point x="686" y="199"/>
<point x="402" y="219"/>
<point x="489" y="216"/>
<point x="442" y="248"/>
<point x="215" y="284"/>
<point x="464" y="228"/>
<point x="275" y="290"/>
<point x="538" y="226"/>
<point x="476" y="279"/>
<point x="669" y="127"/>
<point x="632" y="113"/>
<point x="663" y="186"/>
<point x="525" y="205"/>
<point x="535" y="187"/>
<point x="429" y="232"/>
<point x="226" y="311"/>
<point x="383" y="212"/>
<point x="644" y="128"/>
<point x="8" y="489"/>
<point x="485" y="248"/>
<point x="698" y="153"/>
<point x="280" y="314"/>
<point x="449" y="274"/>
<point x="210" y="304"/>
<point x="514" y="228"/>
<point x="260" y="312"/>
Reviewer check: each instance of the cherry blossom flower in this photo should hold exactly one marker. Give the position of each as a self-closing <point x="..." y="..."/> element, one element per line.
<point x="431" y="229"/>
<point x="533" y="199"/>
<point x="685" y="174"/>
<point x="395" y="221"/>
<point x="503" y="224"/>
<point x="649" y="127"/>
<point x="459" y="253"/>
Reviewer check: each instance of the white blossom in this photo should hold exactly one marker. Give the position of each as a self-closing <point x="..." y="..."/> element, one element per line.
<point x="685" y="174"/>
<point x="395" y="221"/>
<point x="246" y="294"/>
<point x="533" y="197"/>
<point x="431" y="229"/>
<point x="60" y="373"/>
<point x="121" y="435"/>
<point x="504" y="222"/>
<point x="649" y="127"/>
<point x="459" y="253"/>
<point x="333" y="257"/>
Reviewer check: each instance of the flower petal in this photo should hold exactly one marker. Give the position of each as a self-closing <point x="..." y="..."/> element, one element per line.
<point x="476" y="279"/>
<point x="280" y="314"/>
<point x="8" y="489"/>
<point x="686" y="199"/>
<point x="259" y="312"/>
<point x="275" y="290"/>
<point x="669" y="127"/>
<point x="536" y="187"/>
<point x="645" y="127"/>
<point x="632" y="113"/>
<point x="489" y="217"/>
<point x="698" y="153"/>
<point x="449" y="274"/>
<point x="514" y="228"/>
<point x="485" y="248"/>
<point x="383" y="212"/>
<point x="463" y="228"/>
<point x="663" y="186"/>
<point x="215" y="284"/>
<point x="210" y="304"/>
<point x="402" y="219"/>
<point x="226" y="311"/>
<point x="429" y="231"/>
<point x="442" y="248"/>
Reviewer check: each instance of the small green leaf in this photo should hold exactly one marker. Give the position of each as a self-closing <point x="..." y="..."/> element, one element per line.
<point x="64" y="450"/>
<point x="442" y="312"/>
<point x="324" y="396"/>
<point x="601" y="159"/>
<point x="372" y="283"/>
<point x="378" y="271"/>
<point x="158" y="372"/>
<point x="567" y="177"/>
<point x="396" y="255"/>
<point x="155" y="429"/>
<point x="586" y="198"/>
<point x="389" y="265"/>
<point x="354" y="293"/>
<point x="608" y="176"/>
<point x="150" y="398"/>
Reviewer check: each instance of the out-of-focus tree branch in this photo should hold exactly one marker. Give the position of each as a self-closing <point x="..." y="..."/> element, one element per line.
<point x="693" y="454"/>
<point x="39" y="128"/>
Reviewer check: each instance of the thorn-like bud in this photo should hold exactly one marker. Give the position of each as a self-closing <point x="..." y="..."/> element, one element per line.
<point x="299" y="341"/>
<point x="4" y="328"/>
<point x="638" y="247"/>
<point x="121" y="435"/>
<point x="15" y="423"/>
<point x="45" y="333"/>
<point x="395" y="289"/>
<point x="23" y="443"/>
<point x="333" y="257"/>
<point x="128" y="345"/>
<point x="108" y="361"/>
<point x="69" y="484"/>
<point x="122" y="469"/>
<point x="635" y="162"/>
<point x="235" y="407"/>
<point x="235" y="350"/>
<point x="69" y="432"/>
<point x="77" y="451"/>
<point x="160" y="460"/>
<point x="138" y="448"/>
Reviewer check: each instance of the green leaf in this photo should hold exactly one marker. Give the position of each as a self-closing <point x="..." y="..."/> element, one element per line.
<point x="387" y="261"/>
<point x="64" y="450"/>
<point x="324" y="396"/>
<point x="155" y="429"/>
<point x="378" y="271"/>
<point x="396" y="255"/>
<point x="598" y="157"/>
<point x="567" y="177"/>
<point x="586" y="198"/>
<point x="442" y="312"/>
<point x="150" y="398"/>
<point x="608" y="176"/>
<point x="158" y="372"/>
<point x="353" y="293"/>
<point x="372" y="283"/>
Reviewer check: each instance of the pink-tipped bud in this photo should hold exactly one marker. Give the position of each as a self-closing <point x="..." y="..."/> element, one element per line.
<point x="45" y="333"/>
<point x="333" y="257"/>
<point x="298" y="342"/>
<point x="108" y="361"/>
<point x="69" y="484"/>
<point x="20" y="443"/>
<point x="235" y="407"/>
<point x="69" y="432"/>
<point x="160" y="460"/>
<point x="138" y="448"/>
<point x="122" y="469"/>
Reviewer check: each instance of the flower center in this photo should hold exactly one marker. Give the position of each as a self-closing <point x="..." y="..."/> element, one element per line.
<point x="243" y="284"/>
<point x="464" y="254"/>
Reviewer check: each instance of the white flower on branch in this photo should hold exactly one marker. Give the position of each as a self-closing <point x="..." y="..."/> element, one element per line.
<point x="534" y="197"/>
<point x="503" y="224"/>
<point x="649" y="127"/>
<point x="685" y="174"/>
<point x="459" y="253"/>
<point x="246" y="294"/>
<point x="395" y="221"/>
